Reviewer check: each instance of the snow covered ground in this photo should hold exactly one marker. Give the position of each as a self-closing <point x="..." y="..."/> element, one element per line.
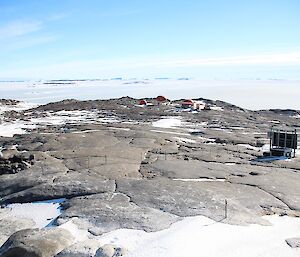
<point x="18" y="107"/>
<point x="202" y="237"/>
<point x="9" y="129"/>
<point x="42" y="213"/>
<point x="169" y="122"/>
<point x="238" y="92"/>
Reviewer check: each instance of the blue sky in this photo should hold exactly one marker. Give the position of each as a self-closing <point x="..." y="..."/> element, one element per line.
<point x="205" y="39"/>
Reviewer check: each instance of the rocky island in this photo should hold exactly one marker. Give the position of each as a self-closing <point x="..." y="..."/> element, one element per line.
<point x="126" y="165"/>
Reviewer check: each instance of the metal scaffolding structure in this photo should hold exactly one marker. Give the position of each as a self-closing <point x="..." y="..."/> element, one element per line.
<point x="283" y="142"/>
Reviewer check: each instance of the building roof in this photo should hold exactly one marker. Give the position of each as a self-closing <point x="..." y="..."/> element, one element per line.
<point x="143" y="101"/>
<point x="188" y="102"/>
<point x="161" y="98"/>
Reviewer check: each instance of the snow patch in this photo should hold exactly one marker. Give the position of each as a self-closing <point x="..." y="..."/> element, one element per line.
<point x="250" y="147"/>
<point x="185" y="140"/>
<point x="42" y="213"/>
<point x="237" y="128"/>
<point x="77" y="233"/>
<point x="167" y="123"/>
<point x="201" y="236"/>
<point x="230" y="163"/>
<point x="216" y="108"/>
<point x="118" y="128"/>
<point x="199" y="179"/>
<point x="9" y="129"/>
<point x="265" y="148"/>
<point x="169" y="132"/>
<point x="16" y="107"/>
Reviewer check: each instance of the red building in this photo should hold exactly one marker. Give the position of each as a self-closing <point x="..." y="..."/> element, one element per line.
<point x="143" y="102"/>
<point x="161" y="99"/>
<point x="188" y="103"/>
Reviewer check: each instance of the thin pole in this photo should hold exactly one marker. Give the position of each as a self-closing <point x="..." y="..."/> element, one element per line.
<point x="295" y="144"/>
<point x="271" y="140"/>
<point x="292" y="144"/>
<point x="225" y="209"/>
<point x="278" y="136"/>
<point x="285" y="138"/>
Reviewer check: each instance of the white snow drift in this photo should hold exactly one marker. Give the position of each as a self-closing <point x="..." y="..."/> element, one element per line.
<point x="41" y="213"/>
<point x="167" y="123"/>
<point x="202" y="237"/>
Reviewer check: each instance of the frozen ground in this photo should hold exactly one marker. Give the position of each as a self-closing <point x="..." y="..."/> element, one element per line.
<point x="202" y="237"/>
<point x="267" y="93"/>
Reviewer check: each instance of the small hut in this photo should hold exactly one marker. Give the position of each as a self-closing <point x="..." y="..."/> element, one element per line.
<point x="188" y="103"/>
<point x="161" y="99"/>
<point x="207" y="107"/>
<point x="143" y="102"/>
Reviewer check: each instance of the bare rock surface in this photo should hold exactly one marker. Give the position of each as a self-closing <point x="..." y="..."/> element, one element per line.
<point x="67" y="186"/>
<point x="112" y="211"/>
<point x="200" y="198"/>
<point x="280" y="183"/>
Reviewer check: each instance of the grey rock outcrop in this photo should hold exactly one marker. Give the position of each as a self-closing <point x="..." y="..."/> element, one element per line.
<point x="85" y="248"/>
<point x="69" y="185"/>
<point x="13" y="161"/>
<point x="293" y="242"/>
<point x="36" y="243"/>
<point x="109" y="250"/>
<point x="10" y="224"/>
<point x="112" y="211"/>
<point x="200" y="198"/>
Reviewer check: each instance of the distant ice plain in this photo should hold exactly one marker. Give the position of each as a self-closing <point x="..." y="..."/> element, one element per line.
<point x="249" y="94"/>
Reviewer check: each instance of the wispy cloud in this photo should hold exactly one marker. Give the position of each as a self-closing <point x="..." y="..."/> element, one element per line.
<point x="119" y="13"/>
<point x="58" y="16"/>
<point x="19" y="28"/>
<point x="269" y="59"/>
<point x="96" y="68"/>
<point x="28" y="42"/>
<point x="19" y="34"/>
